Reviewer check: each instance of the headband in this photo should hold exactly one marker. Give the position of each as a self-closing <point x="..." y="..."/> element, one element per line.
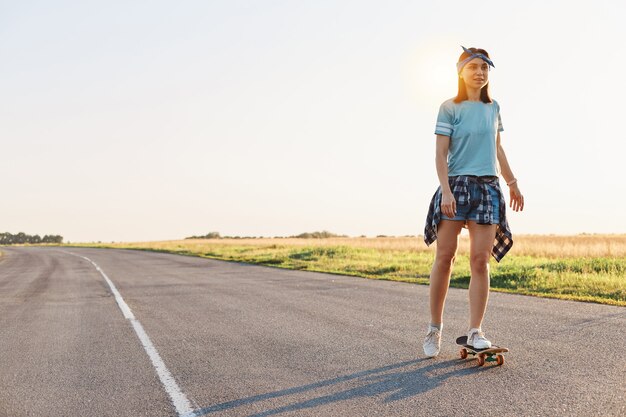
<point x="460" y="65"/>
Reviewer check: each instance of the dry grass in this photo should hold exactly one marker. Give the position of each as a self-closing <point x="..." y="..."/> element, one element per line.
<point x="578" y="246"/>
<point x="546" y="246"/>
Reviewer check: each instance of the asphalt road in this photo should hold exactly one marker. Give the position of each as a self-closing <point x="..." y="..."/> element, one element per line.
<point x="244" y="340"/>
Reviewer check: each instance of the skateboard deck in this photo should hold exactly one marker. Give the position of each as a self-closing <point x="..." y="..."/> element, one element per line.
<point x="492" y="354"/>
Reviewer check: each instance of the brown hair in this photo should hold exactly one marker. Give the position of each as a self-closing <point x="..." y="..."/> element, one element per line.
<point x="462" y="92"/>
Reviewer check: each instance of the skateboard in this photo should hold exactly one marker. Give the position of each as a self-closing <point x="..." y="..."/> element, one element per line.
<point x="492" y="354"/>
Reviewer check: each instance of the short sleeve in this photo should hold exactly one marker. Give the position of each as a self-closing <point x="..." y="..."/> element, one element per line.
<point x="445" y="120"/>
<point x="500" y="127"/>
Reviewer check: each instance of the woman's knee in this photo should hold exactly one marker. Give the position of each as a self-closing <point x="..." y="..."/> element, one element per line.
<point x="445" y="258"/>
<point x="479" y="262"/>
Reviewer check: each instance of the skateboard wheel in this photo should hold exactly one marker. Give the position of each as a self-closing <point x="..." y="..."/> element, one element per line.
<point x="463" y="353"/>
<point x="500" y="360"/>
<point x="481" y="359"/>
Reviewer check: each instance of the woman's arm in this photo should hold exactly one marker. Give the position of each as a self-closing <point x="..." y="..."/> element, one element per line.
<point x="448" y="203"/>
<point x="516" y="198"/>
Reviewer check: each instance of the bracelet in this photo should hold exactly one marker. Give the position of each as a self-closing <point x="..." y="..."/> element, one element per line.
<point x="513" y="181"/>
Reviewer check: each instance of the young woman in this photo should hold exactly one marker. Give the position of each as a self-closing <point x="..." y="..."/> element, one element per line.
<point x="468" y="153"/>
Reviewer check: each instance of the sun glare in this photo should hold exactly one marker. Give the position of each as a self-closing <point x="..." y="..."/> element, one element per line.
<point x="432" y="73"/>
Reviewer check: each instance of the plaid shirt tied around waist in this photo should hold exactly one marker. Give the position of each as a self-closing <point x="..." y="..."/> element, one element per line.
<point x="460" y="189"/>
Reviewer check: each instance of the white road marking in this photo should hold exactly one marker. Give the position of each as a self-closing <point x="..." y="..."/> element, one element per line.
<point x="179" y="399"/>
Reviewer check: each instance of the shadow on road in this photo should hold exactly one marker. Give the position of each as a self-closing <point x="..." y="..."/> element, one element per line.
<point x="399" y="381"/>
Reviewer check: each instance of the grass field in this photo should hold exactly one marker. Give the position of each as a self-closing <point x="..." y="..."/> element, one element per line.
<point x="583" y="267"/>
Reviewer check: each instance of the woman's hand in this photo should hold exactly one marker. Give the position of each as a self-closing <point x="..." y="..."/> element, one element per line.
<point x="516" y="200"/>
<point x="448" y="204"/>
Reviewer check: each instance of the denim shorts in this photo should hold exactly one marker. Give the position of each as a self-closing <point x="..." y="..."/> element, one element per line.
<point x="471" y="210"/>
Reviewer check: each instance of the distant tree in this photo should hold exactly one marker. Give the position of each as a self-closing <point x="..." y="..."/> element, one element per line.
<point x="5" y="238"/>
<point x="318" y="235"/>
<point x="52" y="239"/>
<point x="22" y="238"/>
<point x="210" y="235"/>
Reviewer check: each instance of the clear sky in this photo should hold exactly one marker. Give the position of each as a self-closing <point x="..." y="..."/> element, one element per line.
<point x="145" y="120"/>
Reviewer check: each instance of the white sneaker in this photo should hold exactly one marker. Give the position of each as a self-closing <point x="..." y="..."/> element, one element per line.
<point x="477" y="339"/>
<point x="432" y="343"/>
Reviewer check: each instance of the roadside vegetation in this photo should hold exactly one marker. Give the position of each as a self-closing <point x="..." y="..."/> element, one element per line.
<point x="583" y="267"/>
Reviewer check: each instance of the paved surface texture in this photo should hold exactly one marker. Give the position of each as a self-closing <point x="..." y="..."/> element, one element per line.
<point x="245" y="340"/>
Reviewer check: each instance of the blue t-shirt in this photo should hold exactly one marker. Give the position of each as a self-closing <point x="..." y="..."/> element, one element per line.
<point x="472" y="127"/>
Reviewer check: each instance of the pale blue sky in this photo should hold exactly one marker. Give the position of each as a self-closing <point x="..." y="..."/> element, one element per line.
<point x="145" y="120"/>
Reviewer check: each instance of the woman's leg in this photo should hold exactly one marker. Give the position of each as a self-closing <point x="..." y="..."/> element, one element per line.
<point x="481" y="243"/>
<point x="447" y="242"/>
